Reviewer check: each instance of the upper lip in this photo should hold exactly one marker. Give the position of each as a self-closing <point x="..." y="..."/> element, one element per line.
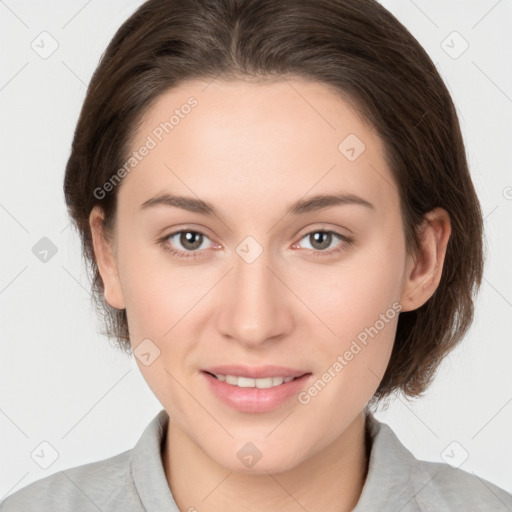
<point x="255" y="372"/>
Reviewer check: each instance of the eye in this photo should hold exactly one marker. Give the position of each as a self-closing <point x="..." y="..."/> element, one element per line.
<point x="189" y="239"/>
<point x="320" y="240"/>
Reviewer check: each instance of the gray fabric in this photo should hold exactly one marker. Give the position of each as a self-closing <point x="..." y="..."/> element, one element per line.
<point x="135" y="481"/>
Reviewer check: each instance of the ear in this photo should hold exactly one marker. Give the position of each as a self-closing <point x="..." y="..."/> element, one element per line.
<point x="423" y="270"/>
<point x="106" y="260"/>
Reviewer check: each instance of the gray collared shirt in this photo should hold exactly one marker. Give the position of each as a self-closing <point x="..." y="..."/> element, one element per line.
<point x="135" y="481"/>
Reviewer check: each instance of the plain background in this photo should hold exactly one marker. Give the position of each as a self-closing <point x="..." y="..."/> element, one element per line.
<point x="63" y="383"/>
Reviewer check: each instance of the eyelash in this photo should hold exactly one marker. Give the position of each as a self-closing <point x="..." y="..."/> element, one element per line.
<point x="347" y="242"/>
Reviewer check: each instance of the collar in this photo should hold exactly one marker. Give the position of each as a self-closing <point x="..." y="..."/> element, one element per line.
<point x="147" y="467"/>
<point x="389" y="482"/>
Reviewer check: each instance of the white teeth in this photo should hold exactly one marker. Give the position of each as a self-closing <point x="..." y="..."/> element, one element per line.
<point x="245" y="382"/>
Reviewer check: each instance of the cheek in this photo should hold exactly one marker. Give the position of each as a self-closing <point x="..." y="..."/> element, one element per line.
<point x="360" y="305"/>
<point x="157" y="292"/>
<point x="354" y="359"/>
<point x="355" y="294"/>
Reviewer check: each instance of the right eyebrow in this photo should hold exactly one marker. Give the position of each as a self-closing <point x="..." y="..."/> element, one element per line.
<point x="185" y="203"/>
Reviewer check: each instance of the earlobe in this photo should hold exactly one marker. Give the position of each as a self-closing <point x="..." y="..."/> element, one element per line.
<point x="106" y="260"/>
<point x="423" y="271"/>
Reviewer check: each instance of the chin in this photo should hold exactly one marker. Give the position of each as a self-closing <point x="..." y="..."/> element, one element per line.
<point x="251" y="460"/>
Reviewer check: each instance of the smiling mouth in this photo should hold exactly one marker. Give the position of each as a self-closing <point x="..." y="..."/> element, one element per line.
<point x="247" y="382"/>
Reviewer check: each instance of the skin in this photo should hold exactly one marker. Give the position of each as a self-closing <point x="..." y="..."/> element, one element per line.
<point x="251" y="150"/>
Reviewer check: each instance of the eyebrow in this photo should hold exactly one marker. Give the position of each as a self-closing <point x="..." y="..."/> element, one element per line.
<point x="301" y="206"/>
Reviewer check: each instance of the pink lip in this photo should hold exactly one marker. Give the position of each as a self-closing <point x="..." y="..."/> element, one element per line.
<point x="255" y="399"/>
<point x="259" y="372"/>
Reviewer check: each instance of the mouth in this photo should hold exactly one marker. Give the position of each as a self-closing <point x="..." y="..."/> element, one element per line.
<point x="255" y="390"/>
<point x="248" y="382"/>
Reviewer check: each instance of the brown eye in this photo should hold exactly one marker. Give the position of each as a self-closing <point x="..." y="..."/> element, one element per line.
<point x="190" y="240"/>
<point x="321" y="240"/>
<point x="186" y="243"/>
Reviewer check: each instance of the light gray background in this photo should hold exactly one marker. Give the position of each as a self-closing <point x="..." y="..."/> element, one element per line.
<point x="62" y="383"/>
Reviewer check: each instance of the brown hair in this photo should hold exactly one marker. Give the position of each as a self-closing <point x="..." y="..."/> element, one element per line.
<point x="356" y="48"/>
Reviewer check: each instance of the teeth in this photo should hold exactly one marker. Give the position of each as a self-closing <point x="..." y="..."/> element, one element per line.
<point x="245" y="382"/>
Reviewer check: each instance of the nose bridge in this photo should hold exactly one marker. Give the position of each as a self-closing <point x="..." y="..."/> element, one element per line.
<point x="256" y="305"/>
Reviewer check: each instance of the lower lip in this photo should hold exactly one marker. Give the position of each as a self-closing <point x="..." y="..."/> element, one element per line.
<point x="255" y="399"/>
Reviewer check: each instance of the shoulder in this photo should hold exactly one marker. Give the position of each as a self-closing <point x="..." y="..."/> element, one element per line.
<point x="102" y="485"/>
<point x="439" y="486"/>
<point x="122" y="482"/>
<point x="397" y="480"/>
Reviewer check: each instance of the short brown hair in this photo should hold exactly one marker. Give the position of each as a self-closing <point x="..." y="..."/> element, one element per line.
<point x="356" y="48"/>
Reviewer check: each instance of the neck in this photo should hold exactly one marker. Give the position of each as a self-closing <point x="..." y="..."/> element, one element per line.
<point x="329" y="481"/>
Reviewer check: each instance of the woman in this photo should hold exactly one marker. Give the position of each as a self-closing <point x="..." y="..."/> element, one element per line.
<point x="275" y="203"/>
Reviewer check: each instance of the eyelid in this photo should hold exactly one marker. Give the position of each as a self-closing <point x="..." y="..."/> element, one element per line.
<point x="324" y="227"/>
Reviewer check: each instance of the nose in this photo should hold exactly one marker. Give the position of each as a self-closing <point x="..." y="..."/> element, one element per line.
<point x="257" y="305"/>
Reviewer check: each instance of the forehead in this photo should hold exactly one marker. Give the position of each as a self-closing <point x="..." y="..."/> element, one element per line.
<point x="258" y="142"/>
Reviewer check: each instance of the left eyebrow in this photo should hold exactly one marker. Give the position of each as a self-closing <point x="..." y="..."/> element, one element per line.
<point x="322" y="201"/>
<point x="315" y="203"/>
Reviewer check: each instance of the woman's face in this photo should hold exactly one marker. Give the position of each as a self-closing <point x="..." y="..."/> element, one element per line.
<point x="264" y="276"/>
